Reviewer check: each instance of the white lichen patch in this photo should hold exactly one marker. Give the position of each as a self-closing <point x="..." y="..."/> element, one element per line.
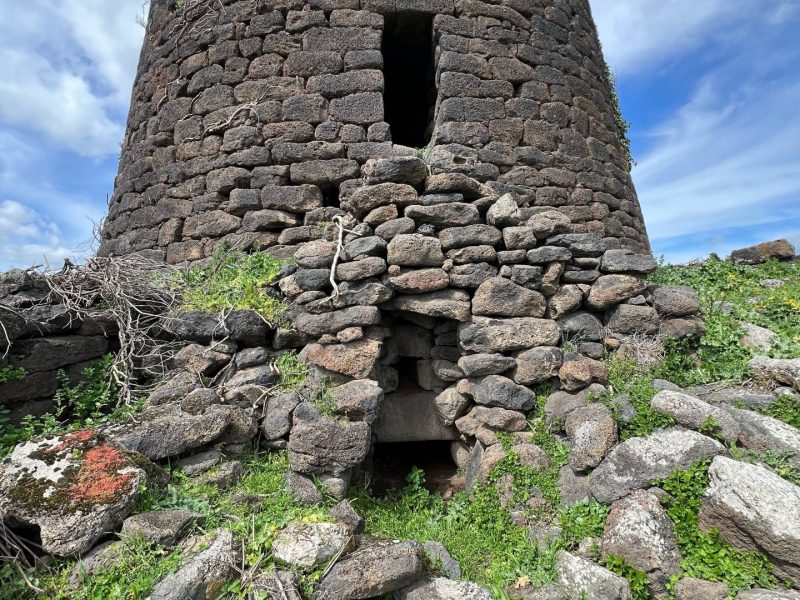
<point x="40" y="460"/>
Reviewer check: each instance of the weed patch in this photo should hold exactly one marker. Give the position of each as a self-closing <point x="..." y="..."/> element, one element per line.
<point x="235" y="281"/>
<point x="89" y="403"/>
<point x="729" y="295"/>
<point x="626" y="377"/>
<point x="707" y="555"/>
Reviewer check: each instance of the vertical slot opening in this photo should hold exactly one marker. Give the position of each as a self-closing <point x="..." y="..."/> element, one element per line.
<point x="410" y="83"/>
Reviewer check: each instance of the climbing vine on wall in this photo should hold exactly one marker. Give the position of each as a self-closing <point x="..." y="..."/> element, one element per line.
<point x="623" y="126"/>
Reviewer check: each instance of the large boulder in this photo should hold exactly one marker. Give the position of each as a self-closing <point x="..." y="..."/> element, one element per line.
<point x="756" y="255"/>
<point x="162" y="527"/>
<point x="499" y="297"/>
<point x="378" y="569"/>
<point x="637" y="462"/>
<point x="500" y="392"/>
<point x="487" y="335"/>
<point x="445" y="304"/>
<point x="74" y="487"/>
<point x="755" y="509"/>
<point x="768" y="595"/>
<point x="640" y="531"/>
<point x="609" y="290"/>
<point x="766" y="434"/>
<point x="203" y="575"/>
<point x="320" y="444"/>
<point x="593" y="432"/>
<point x="355" y="359"/>
<point x="166" y="430"/>
<point x="580" y="578"/>
<point x="786" y="371"/>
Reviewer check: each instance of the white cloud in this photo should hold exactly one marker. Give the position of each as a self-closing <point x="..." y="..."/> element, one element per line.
<point x="729" y="158"/>
<point x="58" y="103"/>
<point x="640" y="35"/>
<point x="28" y="238"/>
<point x="66" y="70"/>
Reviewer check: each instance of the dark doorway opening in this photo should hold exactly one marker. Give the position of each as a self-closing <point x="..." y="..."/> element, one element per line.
<point x="392" y="464"/>
<point x="410" y="84"/>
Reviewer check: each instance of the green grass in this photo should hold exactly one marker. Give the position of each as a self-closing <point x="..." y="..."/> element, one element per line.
<point x="235" y="281"/>
<point x="292" y="369"/>
<point x="626" y="376"/>
<point x="719" y="354"/>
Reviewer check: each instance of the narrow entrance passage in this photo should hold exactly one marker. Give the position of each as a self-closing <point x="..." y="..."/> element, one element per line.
<point x="410" y="88"/>
<point x="392" y="464"/>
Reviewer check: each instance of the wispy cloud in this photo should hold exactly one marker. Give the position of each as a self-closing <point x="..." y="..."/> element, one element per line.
<point x="28" y="238"/>
<point x="66" y="68"/>
<point x="641" y="35"/>
<point x="722" y="168"/>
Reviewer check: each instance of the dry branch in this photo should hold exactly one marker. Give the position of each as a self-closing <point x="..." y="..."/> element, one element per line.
<point x="139" y="295"/>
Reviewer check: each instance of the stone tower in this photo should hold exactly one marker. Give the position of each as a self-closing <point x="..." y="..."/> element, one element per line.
<point x="468" y="154"/>
<point x="237" y="98"/>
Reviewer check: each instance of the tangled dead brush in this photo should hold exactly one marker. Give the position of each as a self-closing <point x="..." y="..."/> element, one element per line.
<point x="139" y="295"/>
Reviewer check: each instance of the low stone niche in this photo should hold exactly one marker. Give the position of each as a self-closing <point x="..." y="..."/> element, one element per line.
<point x="418" y="364"/>
<point x="392" y="463"/>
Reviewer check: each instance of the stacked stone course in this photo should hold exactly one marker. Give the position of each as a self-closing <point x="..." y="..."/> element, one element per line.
<point x="462" y="266"/>
<point x="254" y="117"/>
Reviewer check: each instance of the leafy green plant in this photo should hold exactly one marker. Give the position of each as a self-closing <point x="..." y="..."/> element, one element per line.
<point x="786" y="409"/>
<point x="719" y="354"/>
<point x="10" y="373"/>
<point x="89" y="403"/>
<point x="235" y="281"/>
<point x="636" y="578"/>
<point x="293" y="371"/>
<point x="585" y="519"/>
<point x="705" y="554"/>
<point x="626" y="377"/>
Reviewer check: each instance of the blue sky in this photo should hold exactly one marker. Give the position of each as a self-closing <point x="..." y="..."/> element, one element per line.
<point x="711" y="88"/>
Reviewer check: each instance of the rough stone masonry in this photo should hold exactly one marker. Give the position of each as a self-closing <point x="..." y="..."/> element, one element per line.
<point x="469" y="155"/>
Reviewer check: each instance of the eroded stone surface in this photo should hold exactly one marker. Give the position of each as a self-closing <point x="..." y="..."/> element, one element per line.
<point x="637" y="462"/>
<point x="74" y="487"/>
<point x="306" y="545"/>
<point x="640" y="531"/>
<point x="578" y="576"/>
<point x="755" y="509"/>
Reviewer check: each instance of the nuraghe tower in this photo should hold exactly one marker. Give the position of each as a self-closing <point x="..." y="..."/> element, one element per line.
<point x="472" y="154"/>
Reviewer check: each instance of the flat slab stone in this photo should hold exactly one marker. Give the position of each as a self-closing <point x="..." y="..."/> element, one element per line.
<point x="578" y="577"/>
<point x="487" y="335"/>
<point x="306" y="545"/>
<point x="378" y="569"/>
<point x="766" y="434"/>
<point x="441" y="588"/>
<point x="411" y="416"/>
<point x="203" y="574"/>
<point x="75" y="487"/>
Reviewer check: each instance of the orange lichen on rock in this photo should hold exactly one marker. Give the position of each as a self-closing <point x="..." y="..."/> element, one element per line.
<point x="72" y="439"/>
<point x="99" y="480"/>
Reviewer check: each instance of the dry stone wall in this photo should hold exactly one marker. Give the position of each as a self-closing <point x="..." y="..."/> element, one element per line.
<point x="259" y="117"/>
<point x="432" y="287"/>
<point x="41" y="338"/>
